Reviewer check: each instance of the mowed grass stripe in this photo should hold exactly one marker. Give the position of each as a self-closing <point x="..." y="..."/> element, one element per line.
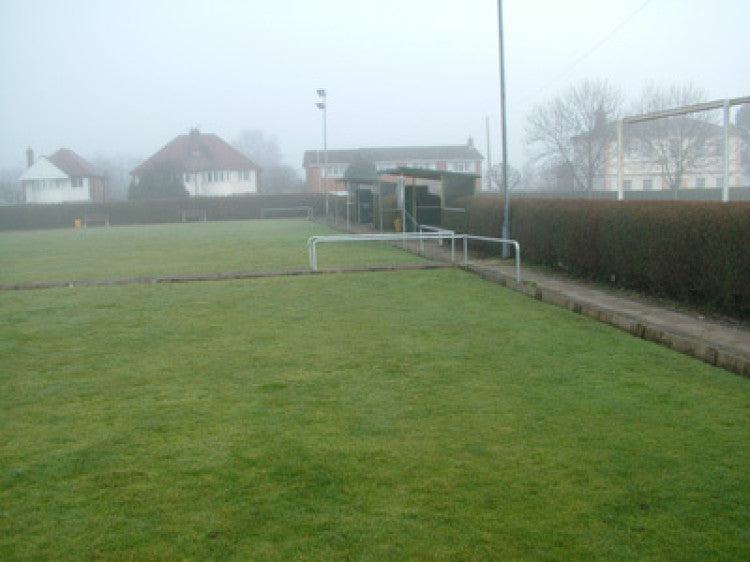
<point x="177" y="249"/>
<point x="403" y="415"/>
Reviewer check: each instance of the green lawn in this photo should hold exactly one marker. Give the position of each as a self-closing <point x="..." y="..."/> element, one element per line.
<point x="423" y="415"/>
<point x="176" y="249"/>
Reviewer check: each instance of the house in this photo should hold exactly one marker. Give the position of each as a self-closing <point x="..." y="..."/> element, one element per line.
<point x="324" y="171"/>
<point x="672" y="154"/>
<point x="207" y="166"/>
<point x="63" y="177"/>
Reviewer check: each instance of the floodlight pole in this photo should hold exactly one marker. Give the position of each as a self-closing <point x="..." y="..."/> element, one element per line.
<point x="322" y="105"/>
<point x="506" y="187"/>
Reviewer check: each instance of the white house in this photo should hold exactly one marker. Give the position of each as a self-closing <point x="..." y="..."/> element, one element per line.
<point x="62" y="178"/>
<point x="679" y="154"/>
<point x="207" y="165"/>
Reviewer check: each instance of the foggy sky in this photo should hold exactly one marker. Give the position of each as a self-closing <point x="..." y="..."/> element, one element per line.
<point x="121" y="79"/>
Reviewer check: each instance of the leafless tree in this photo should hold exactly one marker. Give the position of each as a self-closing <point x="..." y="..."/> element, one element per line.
<point x="10" y="187"/>
<point x="574" y="130"/>
<point x="742" y="122"/>
<point x="677" y="144"/>
<point x="514" y="177"/>
<point x="276" y="177"/>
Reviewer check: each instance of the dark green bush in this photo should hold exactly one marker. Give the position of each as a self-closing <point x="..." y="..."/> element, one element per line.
<point x="25" y="217"/>
<point x="696" y="253"/>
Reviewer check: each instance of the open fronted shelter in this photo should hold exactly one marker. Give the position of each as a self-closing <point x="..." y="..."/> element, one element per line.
<point x="424" y="194"/>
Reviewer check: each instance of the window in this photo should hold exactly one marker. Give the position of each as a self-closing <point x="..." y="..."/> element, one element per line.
<point x="719" y="182"/>
<point x="700" y="182"/>
<point x="648" y="184"/>
<point x="334" y="170"/>
<point x="76" y="182"/>
<point x="627" y="185"/>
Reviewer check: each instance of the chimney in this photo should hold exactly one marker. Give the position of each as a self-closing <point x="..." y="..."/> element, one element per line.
<point x="470" y="143"/>
<point x="29" y="157"/>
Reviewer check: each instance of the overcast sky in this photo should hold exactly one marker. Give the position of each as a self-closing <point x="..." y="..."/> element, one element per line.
<point x="121" y="79"/>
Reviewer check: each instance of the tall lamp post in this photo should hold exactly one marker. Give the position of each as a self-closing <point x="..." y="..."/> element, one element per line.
<point x="322" y="105"/>
<point x="506" y="206"/>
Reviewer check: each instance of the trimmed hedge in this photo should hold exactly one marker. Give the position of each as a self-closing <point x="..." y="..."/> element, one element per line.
<point x="25" y="217"/>
<point x="695" y="253"/>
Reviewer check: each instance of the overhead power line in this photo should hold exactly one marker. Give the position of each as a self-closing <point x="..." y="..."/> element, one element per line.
<point x="594" y="48"/>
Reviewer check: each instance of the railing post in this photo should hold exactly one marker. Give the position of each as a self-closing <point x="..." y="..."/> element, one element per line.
<point x="620" y="165"/>
<point x="725" y="187"/>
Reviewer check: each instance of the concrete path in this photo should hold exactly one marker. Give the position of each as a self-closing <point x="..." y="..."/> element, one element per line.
<point x="723" y="344"/>
<point x="716" y="342"/>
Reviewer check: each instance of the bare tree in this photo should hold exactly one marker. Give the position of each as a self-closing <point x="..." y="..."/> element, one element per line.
<point x="514" y="177"/>
<point x="276" y="177"/>
<point x="573" y="131"/>
<point x="10" y="187"/>
<point x="677" y="144"/>
<point x="742" y="122"/>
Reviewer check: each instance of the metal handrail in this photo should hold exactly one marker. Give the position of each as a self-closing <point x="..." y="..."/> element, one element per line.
<point x="449" y="234"/>
<point x="515" y="244"/>
<point x="313" y="241"/>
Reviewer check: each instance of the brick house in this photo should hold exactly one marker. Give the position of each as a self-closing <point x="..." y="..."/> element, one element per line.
<point x="452" y="158"/>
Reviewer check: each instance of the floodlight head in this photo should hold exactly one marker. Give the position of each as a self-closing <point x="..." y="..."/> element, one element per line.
<point x="322" y="92"/>
<point x="321" y="105"/>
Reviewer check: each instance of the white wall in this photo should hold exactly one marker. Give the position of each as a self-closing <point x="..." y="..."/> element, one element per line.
<point x="44" y="182"/>
<point x="229" y="183"/>
<point x="55" y="191"/>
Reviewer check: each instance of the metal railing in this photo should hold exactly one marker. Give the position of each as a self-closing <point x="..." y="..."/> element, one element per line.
<point x="503" y="241"/>
<point x="313" y="242"/>
<point x="447" y="233"/>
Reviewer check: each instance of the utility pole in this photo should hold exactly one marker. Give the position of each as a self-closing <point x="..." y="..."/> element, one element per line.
<point x="322" y="105"/>
<point x="489" y="154"/>
<point x="506" y="206"/>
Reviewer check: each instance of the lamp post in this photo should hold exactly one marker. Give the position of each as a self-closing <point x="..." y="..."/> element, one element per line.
<point x="322" y="105"/>
<point x="506" y="205"/>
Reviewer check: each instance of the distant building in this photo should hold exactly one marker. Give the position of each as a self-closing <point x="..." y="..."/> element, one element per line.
<point x="321" y="175"/>
<point x="677" y="154"/>
<point x="207" y="166"/>
<point x="64" y="177"/>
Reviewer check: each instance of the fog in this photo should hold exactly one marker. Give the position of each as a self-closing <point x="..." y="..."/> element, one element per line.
<point x="118" y="80"/>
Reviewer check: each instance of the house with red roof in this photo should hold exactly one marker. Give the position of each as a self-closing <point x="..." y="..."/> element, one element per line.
<point x="207" y="165"/>
<point x="64" y="177"/>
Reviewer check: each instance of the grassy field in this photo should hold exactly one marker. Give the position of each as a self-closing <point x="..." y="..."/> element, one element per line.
<point x="422" y="415"/>
<point x="176" y="249"/>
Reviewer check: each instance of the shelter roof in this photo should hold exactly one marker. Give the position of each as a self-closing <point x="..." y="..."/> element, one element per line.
<point x="426" y="174"/>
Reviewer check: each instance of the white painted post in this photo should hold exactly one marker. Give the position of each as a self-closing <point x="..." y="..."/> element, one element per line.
<point x="620" y="182"/>
<point x="725" y="187"/>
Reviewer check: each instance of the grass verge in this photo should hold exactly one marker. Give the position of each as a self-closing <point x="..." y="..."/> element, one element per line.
<point x="407" y="415"/>
<point x="177" y="249"/>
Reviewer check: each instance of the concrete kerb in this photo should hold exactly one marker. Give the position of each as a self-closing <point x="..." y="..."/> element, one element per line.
<point x="216" y="276"/>
<point x="535" y="285"/>
<point x="734" y="360"/>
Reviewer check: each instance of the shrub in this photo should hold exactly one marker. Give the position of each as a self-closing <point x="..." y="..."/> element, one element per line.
<point x="695" y="253"/>
<point x="24" y="217"/>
